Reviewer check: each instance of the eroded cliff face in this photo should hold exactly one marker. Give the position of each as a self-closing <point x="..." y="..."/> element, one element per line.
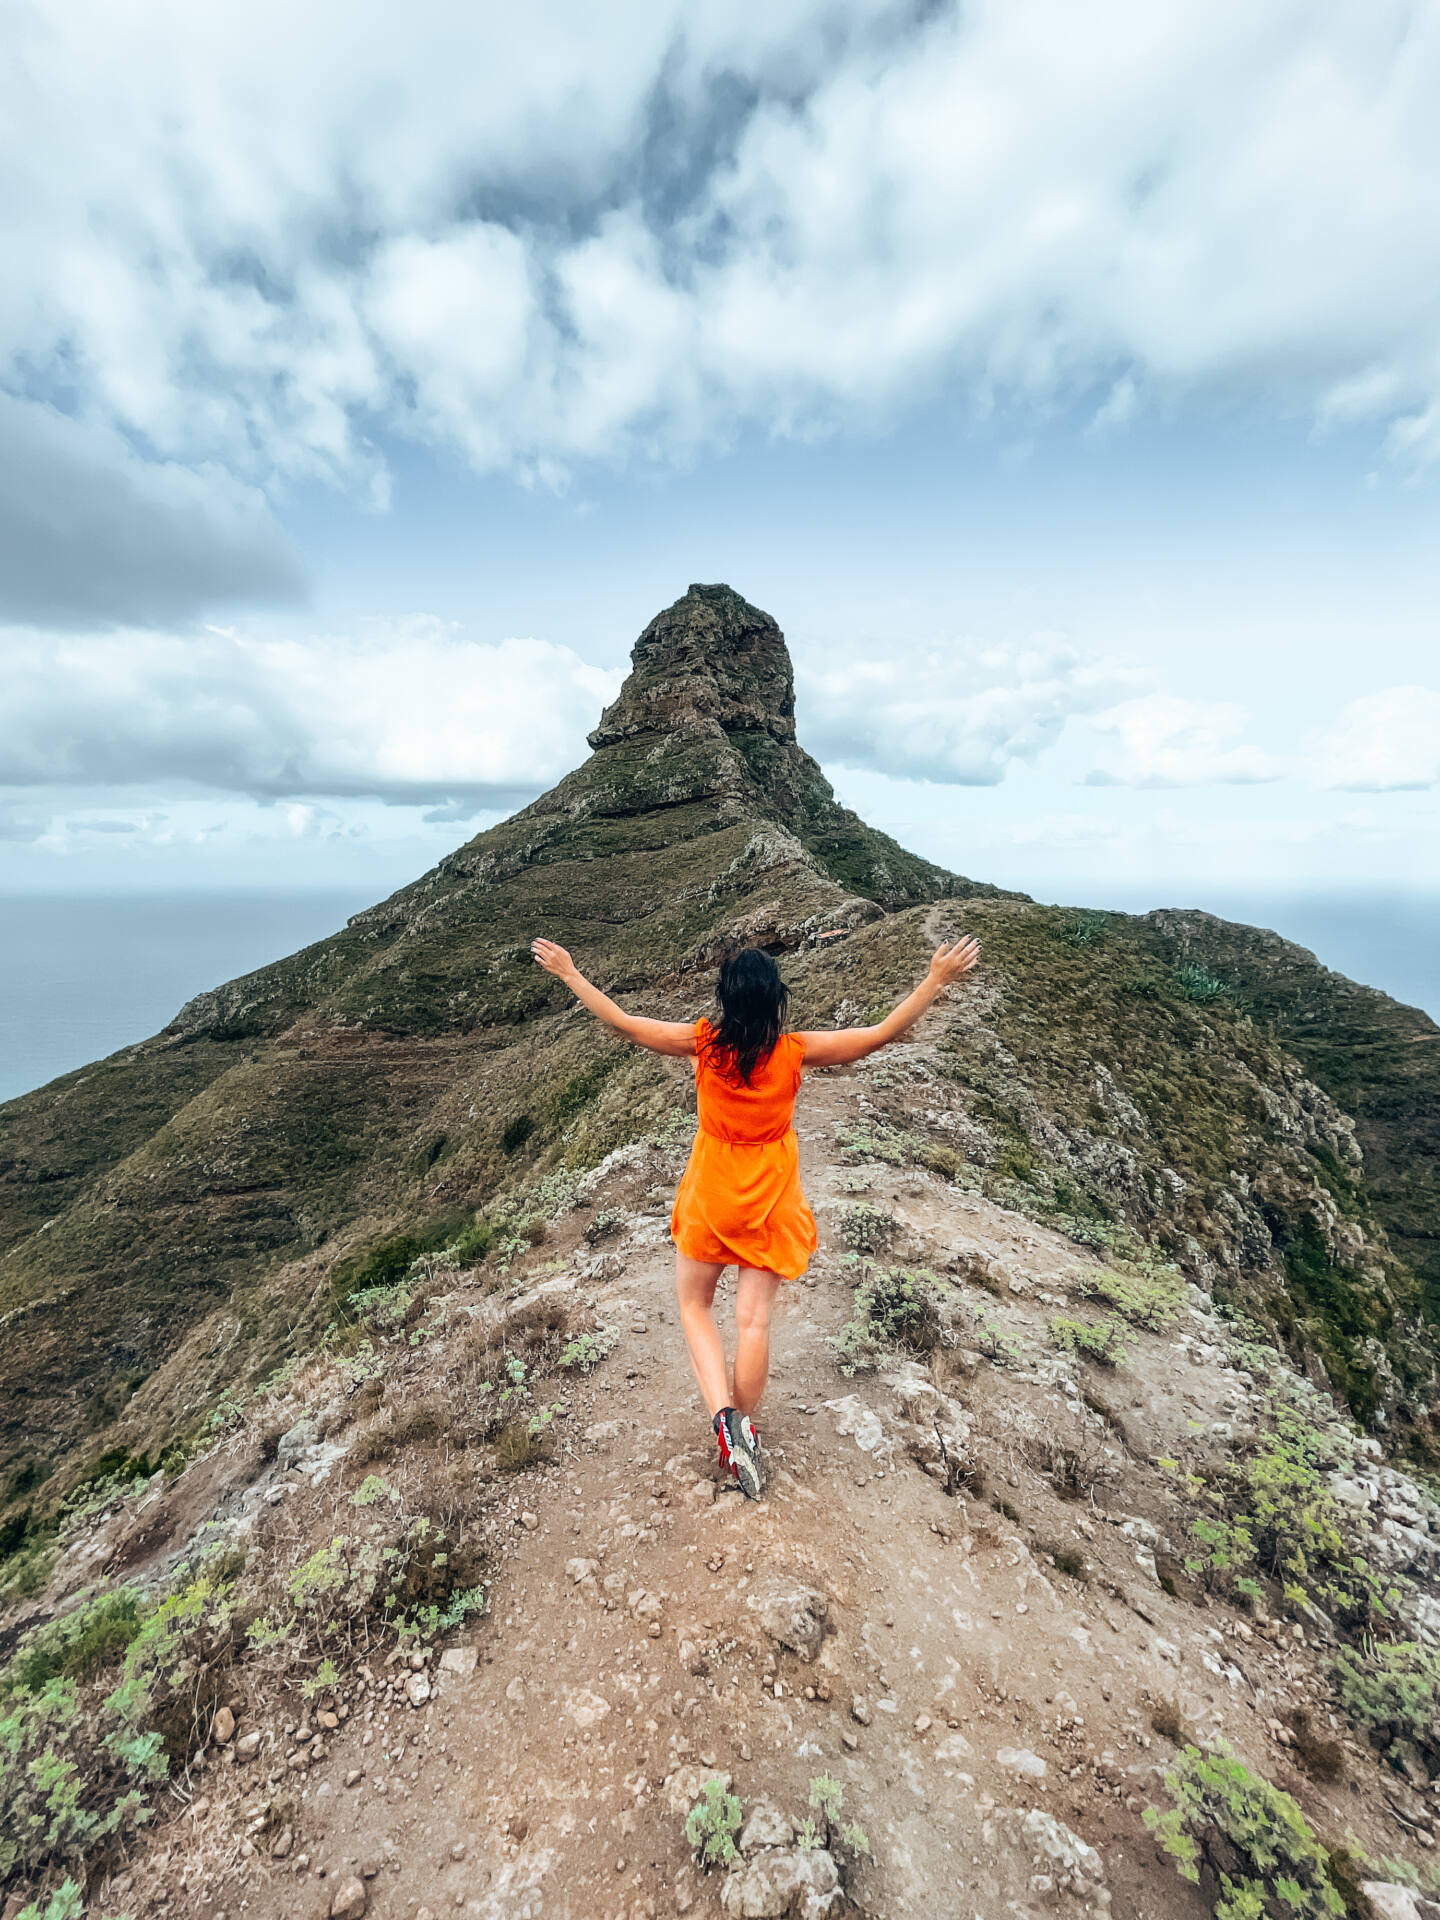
<point x="170" y="1218"/>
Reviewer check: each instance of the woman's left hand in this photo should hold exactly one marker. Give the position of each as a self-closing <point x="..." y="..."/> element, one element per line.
<point x="554" y="959"/>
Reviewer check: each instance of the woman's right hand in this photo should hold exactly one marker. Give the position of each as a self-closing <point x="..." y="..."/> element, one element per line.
<point x="948" y="964"/>
<point x="554" y="959"/>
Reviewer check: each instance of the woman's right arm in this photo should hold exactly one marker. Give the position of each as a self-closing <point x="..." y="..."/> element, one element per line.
<point x="660" y="1036"/>
<point x="838" y="1046"/>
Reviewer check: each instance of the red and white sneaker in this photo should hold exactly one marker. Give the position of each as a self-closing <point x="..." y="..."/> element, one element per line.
<point x="740" y="1451"/>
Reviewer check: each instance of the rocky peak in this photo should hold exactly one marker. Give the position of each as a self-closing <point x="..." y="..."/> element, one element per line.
<point x="711" y="664"/>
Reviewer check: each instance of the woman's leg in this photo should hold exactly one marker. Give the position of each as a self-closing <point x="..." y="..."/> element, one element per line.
<point x="695" y="1282"/>
<point x="754" y="1298"/>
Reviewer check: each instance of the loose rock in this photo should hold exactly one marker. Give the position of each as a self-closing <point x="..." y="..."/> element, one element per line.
<point x="350" y="1901"/>
<point x="792" y="1614"/>
<point x="1020" y="1760"/>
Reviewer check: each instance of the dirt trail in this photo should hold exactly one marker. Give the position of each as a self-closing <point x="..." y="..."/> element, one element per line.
<point x="980" y="1674"/>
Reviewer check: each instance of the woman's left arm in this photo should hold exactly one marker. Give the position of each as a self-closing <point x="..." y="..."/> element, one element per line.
<point x="660" y="1036"/>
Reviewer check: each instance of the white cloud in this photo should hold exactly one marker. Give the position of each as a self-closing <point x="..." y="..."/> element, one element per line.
<point x="957" y="714"/>
<point x="250" y="235"/>
<point x="1162" y="740"/>
<point x="1383" y="742"/>
<point x="411" y="712"/>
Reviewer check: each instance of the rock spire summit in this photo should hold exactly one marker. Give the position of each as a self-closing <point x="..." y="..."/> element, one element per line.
<point x="711" y="663"/>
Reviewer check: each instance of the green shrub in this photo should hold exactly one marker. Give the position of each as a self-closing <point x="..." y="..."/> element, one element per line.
<point x="1105" y="1342"/>
<point x="473" y="1244"/>
<point x="77" y="1765"/>
<point x="1198" y="985"/>
<point x="1149" y="1297"/>
<point x="1245" y="1840"/>
<point x="81" y="1644"/>
<point x="712" y="1824"/>
<point x="65" y="1903"/>
<point x="895" y="1307"/>
<point x="865" y="1229"/>
<point x="587" y="1350"/>
<point x="386" y="1264"/>
<point x="1084" y="930"/>
<point x="1274" y="1514"/>
<point x="1393" y="1693"/>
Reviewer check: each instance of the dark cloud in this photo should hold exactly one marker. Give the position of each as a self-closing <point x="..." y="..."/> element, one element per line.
<point x="91" y="535"/>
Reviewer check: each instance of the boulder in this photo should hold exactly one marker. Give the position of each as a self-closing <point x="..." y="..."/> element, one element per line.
<point x="791" y="1613"/>
<point x="782" y="1883"/>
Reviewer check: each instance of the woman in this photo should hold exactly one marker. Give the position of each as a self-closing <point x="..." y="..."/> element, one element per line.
<point x="740" y="1203"/>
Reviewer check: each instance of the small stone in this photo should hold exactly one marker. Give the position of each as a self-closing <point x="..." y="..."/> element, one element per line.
<point x="586" y="1709"/>
<point x="1020" y="1760"/>
<point x="200" y="1807"/>
<point x="247" y="1746"/>
<point x="922" y="1723"/>
<point x="222" y="1727"/>
<point x="282" y="1843"/>
<point x="354" y="1777"/>
<point x="417" y="1689"/>
<point x="459" y="1660"/>
<point x="849" y="1740"/>
<point x="530" y="1521"/>
<point x="579" y="1569"/>
<point x="417" y="1661"/>
<point x="423" y="1913"/>
<point x="328" y="1721"/>
<point x="350" y="1901"/>
<point x="457" y="1850"/>
<point x="860" y="1710"/>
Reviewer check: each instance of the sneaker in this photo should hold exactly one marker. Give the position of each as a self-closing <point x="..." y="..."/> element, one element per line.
<point x="739" y="1447"/>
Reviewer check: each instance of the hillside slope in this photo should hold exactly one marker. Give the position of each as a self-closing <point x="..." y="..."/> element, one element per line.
<point x="996" y="1607"/>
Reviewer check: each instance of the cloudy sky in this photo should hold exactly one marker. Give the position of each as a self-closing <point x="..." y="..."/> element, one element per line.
<point x="1065" y="380"/>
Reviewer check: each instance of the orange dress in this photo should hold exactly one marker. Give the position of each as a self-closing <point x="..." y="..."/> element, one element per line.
<point x="740" y="1203"/>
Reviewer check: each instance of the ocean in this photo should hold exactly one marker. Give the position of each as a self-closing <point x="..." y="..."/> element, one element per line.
<point x="80" y="977"/>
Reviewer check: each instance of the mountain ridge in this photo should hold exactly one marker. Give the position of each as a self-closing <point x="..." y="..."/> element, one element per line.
<point x="200" y="1186"/>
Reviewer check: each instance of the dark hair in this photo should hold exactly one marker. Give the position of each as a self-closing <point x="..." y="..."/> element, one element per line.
<point x="752" y="1009"/>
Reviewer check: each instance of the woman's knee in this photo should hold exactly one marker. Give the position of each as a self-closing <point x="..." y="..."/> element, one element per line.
<point x="695" y="1284"/>
<point x="753" y="1301"/>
